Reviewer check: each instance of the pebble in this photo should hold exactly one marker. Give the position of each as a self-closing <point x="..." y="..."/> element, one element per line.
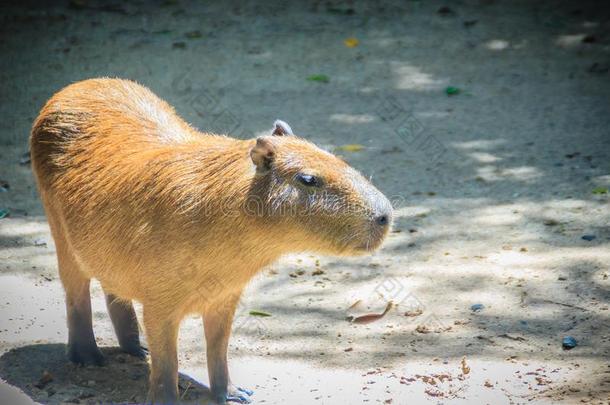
<point x="569" y="342"/>
<point x="588" y="238"/>
<point x="477" y="307"/>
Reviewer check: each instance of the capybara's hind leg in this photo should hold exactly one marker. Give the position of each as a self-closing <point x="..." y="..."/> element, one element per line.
<point x="162" y="336"/>
<point x="125" y="325"/>
<point x="82" y="348"/>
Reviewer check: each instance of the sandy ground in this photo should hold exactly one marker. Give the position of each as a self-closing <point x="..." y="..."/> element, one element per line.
<point x="494" y="189"/>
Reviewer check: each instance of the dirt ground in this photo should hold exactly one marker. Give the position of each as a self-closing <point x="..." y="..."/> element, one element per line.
<point x="499" y="187"/>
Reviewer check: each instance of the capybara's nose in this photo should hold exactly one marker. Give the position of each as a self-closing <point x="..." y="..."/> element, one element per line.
<point x="382" y="220"/>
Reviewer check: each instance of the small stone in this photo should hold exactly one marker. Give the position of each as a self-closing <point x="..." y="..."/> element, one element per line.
<point x="569" y="342"/>
<point x="588" y="238"/>
<point x="477" y="307"/>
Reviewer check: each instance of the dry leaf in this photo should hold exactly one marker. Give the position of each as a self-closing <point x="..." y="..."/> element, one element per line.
<point x="351" y="42"/>
<point x="354" y="147"/>
<point x="367" y="318"/>
<point x="465" y="367"/>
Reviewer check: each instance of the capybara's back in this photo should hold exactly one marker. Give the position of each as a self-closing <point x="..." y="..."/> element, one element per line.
<point x="181" y="220"/>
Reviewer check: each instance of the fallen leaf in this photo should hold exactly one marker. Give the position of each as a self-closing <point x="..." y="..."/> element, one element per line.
<point x="367" y="318"/>
<point x="465" y="367"/>
<point x="319" y="78"/>
<point x="600" y="190"/>
<point x="353" y="147"/>
<point x="259" y="313"/>
<point x="351" y="42"/>
<point x="452" y="91"/>
<point x="3" y="213"/>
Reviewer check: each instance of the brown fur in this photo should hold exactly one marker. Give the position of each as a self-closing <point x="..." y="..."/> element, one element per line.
<point x="180" y="220"/>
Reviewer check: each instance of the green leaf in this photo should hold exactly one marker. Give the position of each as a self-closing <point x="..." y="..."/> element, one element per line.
<point x="452" y="91"/>
<point x="600" y="190"/>
<point x="259" y="313"/>
<point x="319" y="78"/>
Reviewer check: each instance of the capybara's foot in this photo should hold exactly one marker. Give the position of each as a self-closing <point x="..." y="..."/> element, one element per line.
<point x="135" y="350"/>
<point x="85" y="354"/>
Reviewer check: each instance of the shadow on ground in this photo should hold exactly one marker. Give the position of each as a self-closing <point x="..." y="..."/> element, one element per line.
<point x="44" y="374"/>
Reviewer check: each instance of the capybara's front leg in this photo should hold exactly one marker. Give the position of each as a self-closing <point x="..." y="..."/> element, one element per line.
<point x="162" y="335"/>
<point x="125" y="325"/>
<point x="217" y="321"/>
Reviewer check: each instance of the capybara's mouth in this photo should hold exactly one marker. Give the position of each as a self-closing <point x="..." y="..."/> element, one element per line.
<point x="372" y="244"/>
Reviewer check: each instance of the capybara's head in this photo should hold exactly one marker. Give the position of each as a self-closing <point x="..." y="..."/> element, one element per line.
<point x="320" y="202"/>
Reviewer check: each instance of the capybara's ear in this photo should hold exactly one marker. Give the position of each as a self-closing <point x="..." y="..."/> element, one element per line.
<point x="280" y="128"/>
<point x="263" y="153"/>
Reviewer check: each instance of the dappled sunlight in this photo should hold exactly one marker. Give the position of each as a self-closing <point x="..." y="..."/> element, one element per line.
<point x="353" y="118"/>
<point x="482" y="144"/>
<point x="483" y="157"/>
<point x="523" y="173"/>
<point x="497" y="44"/>
<point x="25" y="227"/>
<point x="409" y="77"/>
<point x="570" y="40"/>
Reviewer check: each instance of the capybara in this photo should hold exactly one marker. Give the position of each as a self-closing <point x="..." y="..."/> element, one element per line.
<point x="181" y="220"/>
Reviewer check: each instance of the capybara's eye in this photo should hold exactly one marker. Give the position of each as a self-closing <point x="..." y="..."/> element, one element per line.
<point x="309" y="180"/>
